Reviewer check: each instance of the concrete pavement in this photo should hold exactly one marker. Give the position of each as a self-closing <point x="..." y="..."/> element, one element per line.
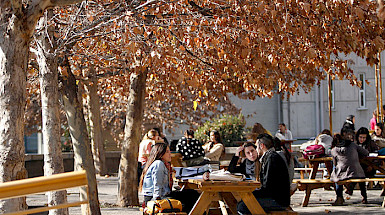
<point x="320" y="201"/>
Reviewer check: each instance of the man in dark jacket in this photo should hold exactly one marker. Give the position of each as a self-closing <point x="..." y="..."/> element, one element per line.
<point x="274" y="194"/>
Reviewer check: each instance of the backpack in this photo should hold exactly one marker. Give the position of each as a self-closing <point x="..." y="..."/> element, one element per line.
<point x="314" y="151"/>
<point x="164" y="206"/>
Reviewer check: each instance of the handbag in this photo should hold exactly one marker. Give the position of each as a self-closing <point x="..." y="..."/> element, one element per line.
<point x="165" y="205"/>
<point x="314" y="151"/>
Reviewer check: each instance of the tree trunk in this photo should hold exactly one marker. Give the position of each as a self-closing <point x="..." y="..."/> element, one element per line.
<point x="128" y="189"/>
<point x="80" y="140"/>
<point x="97" y="140"/>
<point x="13" y="66"/>
<point x="53" y="158"/>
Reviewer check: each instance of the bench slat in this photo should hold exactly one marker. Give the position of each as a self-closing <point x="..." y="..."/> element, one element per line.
<point x="42" y="209"/>
<point x="327" y="181"/>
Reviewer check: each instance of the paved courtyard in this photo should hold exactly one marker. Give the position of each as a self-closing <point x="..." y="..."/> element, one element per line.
<point x="320" y="201"/>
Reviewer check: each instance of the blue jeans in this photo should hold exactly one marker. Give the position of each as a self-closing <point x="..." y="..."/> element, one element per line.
<point x="268" y="204"/>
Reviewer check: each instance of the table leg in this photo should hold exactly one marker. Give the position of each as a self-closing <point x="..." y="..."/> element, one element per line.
<point x="329" y="167"/>
<point x="223" y="207"/>
<point x="251" y="203"/>
<point x="231" y="201"/>
<point x="203" y="203"/>
<point x="314" y="170"/>
<point x="306" y="198"/>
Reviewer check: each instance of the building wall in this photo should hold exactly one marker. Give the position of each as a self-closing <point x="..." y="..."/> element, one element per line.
<point x="300" y="111"/>
<point x="263" y="110"/>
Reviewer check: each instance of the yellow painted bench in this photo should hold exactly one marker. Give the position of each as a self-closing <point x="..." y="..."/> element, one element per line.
<point x="42" y="184"/>
<point x="308" y="185"/>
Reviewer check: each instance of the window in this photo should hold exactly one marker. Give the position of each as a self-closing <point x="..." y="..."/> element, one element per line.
<point x="361" y="93"/>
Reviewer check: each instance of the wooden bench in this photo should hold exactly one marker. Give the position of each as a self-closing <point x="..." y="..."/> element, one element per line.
<point x="308" y="185"/>
<point x="42" y="184"/>
<point x="307" y="170"/>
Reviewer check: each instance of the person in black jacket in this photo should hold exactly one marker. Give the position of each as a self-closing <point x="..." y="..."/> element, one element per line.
<point x="274" y="194"/>
<point x="248" y="166"/>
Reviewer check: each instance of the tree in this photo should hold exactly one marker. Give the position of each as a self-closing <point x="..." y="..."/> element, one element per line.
<point x="17" y="23"/>
<point x="47" y="61"/>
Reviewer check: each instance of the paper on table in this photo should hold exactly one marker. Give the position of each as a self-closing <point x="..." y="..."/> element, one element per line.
<point x="223" y="175"/>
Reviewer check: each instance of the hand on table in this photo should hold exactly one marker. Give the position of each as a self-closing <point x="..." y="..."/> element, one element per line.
<point x="206" y="176"/>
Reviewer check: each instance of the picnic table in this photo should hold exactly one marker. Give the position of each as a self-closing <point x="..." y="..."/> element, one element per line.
<point x="370" y="161"/>
<point x="314" y="165"/>
<point x="228" y="191"/>
<point x="309" y="184"/>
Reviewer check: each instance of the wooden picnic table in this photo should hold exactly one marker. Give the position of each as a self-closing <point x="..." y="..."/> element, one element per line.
<point x="314" y="164"/>
<point x="228" y="191"/>
<point x="370" y="161"/>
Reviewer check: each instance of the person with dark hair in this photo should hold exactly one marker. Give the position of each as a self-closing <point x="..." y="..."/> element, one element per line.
<point x="364" y="140"/>
<point x="214" y="148"/>
<point x="274" y="193"/>
<point x="283" y="133"/>
<point x="191" y="149"/>
<point x="156" y="180"/>
<point x="346" y="155"/>
<point x="249" y="166"/>
<point x="349" y="122"/>
<point x="378" y="135"/>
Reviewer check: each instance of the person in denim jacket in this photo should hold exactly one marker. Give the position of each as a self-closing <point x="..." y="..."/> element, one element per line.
<point x="156" y="181"/>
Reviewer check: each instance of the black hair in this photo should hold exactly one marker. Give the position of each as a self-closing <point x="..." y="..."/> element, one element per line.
<point x="381" y="126"/>
<point x="217" y="136"/>
<point x="267" y="140"/>
<point x="281" y="147"/>
<point x="283" y="124"/>
<point x="364" y="130"/>
<point x="189" y="132"/>
<point x="345" y="130"/>
<point x="249" y="144"/>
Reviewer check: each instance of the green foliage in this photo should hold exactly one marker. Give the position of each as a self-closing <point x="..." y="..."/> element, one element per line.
<point x="231" y="129"/>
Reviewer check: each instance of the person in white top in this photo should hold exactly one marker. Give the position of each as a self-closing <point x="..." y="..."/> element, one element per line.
<point x="283" y="133"/>
<point x="214" y="148"/>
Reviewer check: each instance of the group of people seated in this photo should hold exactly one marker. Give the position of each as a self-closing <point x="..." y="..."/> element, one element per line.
<point x="265" y="160"/>
<point x="347" y="148"/>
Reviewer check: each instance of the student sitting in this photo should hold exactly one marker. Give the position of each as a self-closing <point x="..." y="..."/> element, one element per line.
<point x="249" y="166"/>
<point x="346" y="156"/>
<point x="191" y="149"/>
<point x="214" y="148"/>
<point x="156" y="181"/>
<point x="274" y="194"/>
